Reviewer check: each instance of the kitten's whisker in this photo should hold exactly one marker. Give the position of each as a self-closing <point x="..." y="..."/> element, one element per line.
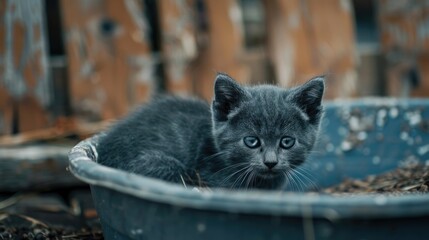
<point x="252" y="181"/>
<point x="300" y="181"/>
<point x="248" y="180"/>
<point x="248" y="172"/>
<point x="316" y="151"/>
<point x="289" y="182"/>
<point x="239" y="177"/>
<point x="231" y="175"/>
<point x="304" y="169"/>
<point x="293" y="181"/>
<point x="229" y="167"/>
<point x="214" y="155"/>
<point x="308" y="179"/>
<point x="307" y="173"/>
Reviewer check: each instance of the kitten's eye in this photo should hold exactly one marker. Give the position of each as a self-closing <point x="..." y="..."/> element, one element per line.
<point x="252" y="142"/>
<point x="287" y="142"/>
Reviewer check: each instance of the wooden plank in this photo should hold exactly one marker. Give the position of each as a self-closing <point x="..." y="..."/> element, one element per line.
<point x="422" y="87"/>
<point x="6" y="111"/>
<point x="110" y="66"/>
<point x="65" y="127"/>
<point x="302" y="43"/>
<point x="178" y="44"/>
<point x="404" y="25"/>
<point x="405" y="44"/>
<point x="223" y="47"/>
<point x="37" y="167"/>
<point x="24" y="70"/>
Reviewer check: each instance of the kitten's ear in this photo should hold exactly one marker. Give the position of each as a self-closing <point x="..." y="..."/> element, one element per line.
<point x="309" y="98"/>
<point x="227" y="95"/>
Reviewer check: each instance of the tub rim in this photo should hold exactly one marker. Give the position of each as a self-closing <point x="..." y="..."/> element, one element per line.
<point x="314" y="205"/>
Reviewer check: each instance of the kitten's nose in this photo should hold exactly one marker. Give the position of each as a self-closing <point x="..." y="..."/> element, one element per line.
<point x="270" y="165"/>
<point x="270" y="159"/>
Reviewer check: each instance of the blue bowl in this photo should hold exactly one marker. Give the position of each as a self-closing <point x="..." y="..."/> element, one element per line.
<point x="358" y="138"/>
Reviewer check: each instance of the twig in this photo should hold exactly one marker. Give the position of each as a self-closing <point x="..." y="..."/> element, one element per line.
<point x="14" y="199"/>
<point x="79" y="235"/>
<point x="33" y="221"/>
<point x="80" y="129"/>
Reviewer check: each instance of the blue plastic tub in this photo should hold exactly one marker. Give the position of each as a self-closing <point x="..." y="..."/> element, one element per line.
<point x="358" y="138"/>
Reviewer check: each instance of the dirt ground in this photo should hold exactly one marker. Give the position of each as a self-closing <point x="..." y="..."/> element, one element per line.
<point x="403" y="180"/>
<point x="51" y="215"/>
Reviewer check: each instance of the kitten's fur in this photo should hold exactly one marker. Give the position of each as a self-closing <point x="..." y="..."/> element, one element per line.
<point x="184" y="140"/>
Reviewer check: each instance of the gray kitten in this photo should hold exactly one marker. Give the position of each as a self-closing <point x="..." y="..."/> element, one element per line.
<point x="251" y="137"/>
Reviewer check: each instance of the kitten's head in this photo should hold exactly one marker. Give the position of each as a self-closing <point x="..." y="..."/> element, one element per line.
<point x="265" y="131"/>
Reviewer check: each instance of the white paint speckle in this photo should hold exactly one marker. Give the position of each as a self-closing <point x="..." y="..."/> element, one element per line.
<point x="346" y="146"/>
<point x="381" y="117"/>
<point x="404" y="136"/>
<point x="380" y="200"/>
<point x="345" y="5"/>
<point x="294" y="20"/>
<point x="366" y="151"/>
<point x="342" y="131"/>
<point x="354" y="123"/>
<point x="138" y="231"/>
<point x="414" y="118"/>
<point x="201" y="227"/>
<point x="409" y="161"/>
<point x="330" y="167"/>
<point x="330" y="147"/>
<point x="394" y="112"/>
<point x="376" y="160"/>
<point x="362" y="136"/>
<point x="423" y="150"/>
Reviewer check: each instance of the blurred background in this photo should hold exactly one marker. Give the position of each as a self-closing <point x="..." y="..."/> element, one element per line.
<point x="67" y="64"/>
<point x="68" y="68"/>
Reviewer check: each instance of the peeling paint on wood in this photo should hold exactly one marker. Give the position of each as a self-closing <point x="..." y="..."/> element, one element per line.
<point x="404" y="29"/>
<point x="302" y="43"/>
<point x="23" y="65"/>
<point x="223" y="49"/>
<point x="106" y="42"/>
<point x="6" y="112"/>
<point x="179" y="45"/>
<point x="25" y="16"/>
<point x="404" y="24"/>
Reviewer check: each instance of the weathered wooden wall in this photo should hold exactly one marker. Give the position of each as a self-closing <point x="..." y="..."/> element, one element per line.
<point x="109" y="61"/>
<point x="308" y="38"/>
<point x="221" y="49"/>
<point x="404" y="29"/>
<point x="179" y="44"/>
<point x="119" y="52"/>
<point x="25" y="85"/>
